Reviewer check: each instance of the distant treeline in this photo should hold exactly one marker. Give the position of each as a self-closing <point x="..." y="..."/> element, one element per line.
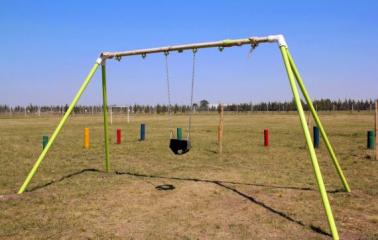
<point x="203" y="105"/>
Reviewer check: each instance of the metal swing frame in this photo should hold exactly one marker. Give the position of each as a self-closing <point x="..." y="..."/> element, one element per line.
<point x="294" y="79"/>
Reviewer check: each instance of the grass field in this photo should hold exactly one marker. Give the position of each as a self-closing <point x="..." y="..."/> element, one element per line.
<point x="248" y="192"/>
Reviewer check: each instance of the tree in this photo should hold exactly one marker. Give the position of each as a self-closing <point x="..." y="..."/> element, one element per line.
<point x="204" y="105"/>
<point x="175" y="109"/>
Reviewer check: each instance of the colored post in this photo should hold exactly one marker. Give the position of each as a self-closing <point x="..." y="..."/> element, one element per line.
<point x="316" y="136"/>
<point x="266" y="137"/>
<point x="86" y="138"/>
<point x="111" y="115"/>
<point x="219" y="134"/>
<point x="370" y="140"/>
<point x="179" y="133"/>
<point x="319" y="179"/>
<point x="142" y="132"/>
<point x="59" y="127"/>
<point x="376" y="130"/>
<point x="45" y="140"/>
<point x="105" y="113"/>
<point x="309" y="119"/>
<point x="119" y="136"/>
<point x="318" y="122"/>
<point x="128" y="115"/>
<point x="220" y="127"/>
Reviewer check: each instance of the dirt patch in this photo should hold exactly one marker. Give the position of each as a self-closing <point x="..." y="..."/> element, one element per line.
<point x="9" y="197"/>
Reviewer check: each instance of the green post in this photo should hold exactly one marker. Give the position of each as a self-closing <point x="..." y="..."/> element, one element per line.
<point x="105" y="112"/>
<point x="59" y="128"/>
<point x="45" y="140"/>
<point x="179" y="133"/>
<point x="318" y="123"/>
<point x="310" y="146"/>
<point x="370" y="140"/>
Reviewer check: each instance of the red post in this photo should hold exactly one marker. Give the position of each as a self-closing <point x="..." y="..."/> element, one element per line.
<point x="118" y="136"/>
<point x="266" y="137"/>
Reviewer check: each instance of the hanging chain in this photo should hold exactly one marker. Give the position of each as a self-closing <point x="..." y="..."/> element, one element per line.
<point x="192" y="93"/>
<point x="166" y="53"/>
<point x="254" y="45"/>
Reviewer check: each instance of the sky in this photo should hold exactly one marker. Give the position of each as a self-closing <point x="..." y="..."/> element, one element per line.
<point x="48" y="47"/>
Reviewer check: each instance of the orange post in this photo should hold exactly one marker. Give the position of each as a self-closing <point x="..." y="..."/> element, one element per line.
<point x="86" y="138"/>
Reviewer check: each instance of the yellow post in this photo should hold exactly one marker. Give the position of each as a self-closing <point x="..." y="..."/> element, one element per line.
<point x="105" y="113"/>
<point x="59" y="127"/>
<point x="319" y="124"/>
<point x="310" y="146"/>
<point x="86" y="138"/>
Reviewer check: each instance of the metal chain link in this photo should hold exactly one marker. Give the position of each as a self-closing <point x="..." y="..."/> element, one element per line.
<point x="169" y="94"/>
<point x="192" y="93"/>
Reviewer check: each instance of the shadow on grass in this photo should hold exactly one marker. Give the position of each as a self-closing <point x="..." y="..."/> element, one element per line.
<point x="216" y="182"/>
<point x="250" y="198"/>
<point x="62" y="178"/>
<point x="282" y="214"/>
<point x="230" y="182"/>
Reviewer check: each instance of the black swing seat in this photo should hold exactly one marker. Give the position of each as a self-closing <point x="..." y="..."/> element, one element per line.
<point x="179" y="147"/>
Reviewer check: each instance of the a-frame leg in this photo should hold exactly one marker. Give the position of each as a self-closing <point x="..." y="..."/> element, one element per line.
<point x="59" y="127"/>
<point x="105" y="113"/>
<point x="318" y="123"/>
<point x="310" y="146"/>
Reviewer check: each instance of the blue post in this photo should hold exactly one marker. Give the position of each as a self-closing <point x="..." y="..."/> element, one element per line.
<point x="316" y="137"/>
<point x="142" y="132"/>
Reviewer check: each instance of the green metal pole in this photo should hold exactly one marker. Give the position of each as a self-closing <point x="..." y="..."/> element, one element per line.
<point x="105" y="111"/>
<point x="318" y="123"/>
<point x="58" y="128"/>
<point x="310" y="146"/>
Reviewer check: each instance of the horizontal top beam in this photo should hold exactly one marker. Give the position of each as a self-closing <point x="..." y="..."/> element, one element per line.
<point x="224" y="43"/>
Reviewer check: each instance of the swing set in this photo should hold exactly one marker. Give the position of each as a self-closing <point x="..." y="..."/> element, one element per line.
<point x="179" y="146"/>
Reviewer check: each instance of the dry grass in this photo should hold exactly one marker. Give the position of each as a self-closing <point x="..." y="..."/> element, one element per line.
<point x="250" y="192"/>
